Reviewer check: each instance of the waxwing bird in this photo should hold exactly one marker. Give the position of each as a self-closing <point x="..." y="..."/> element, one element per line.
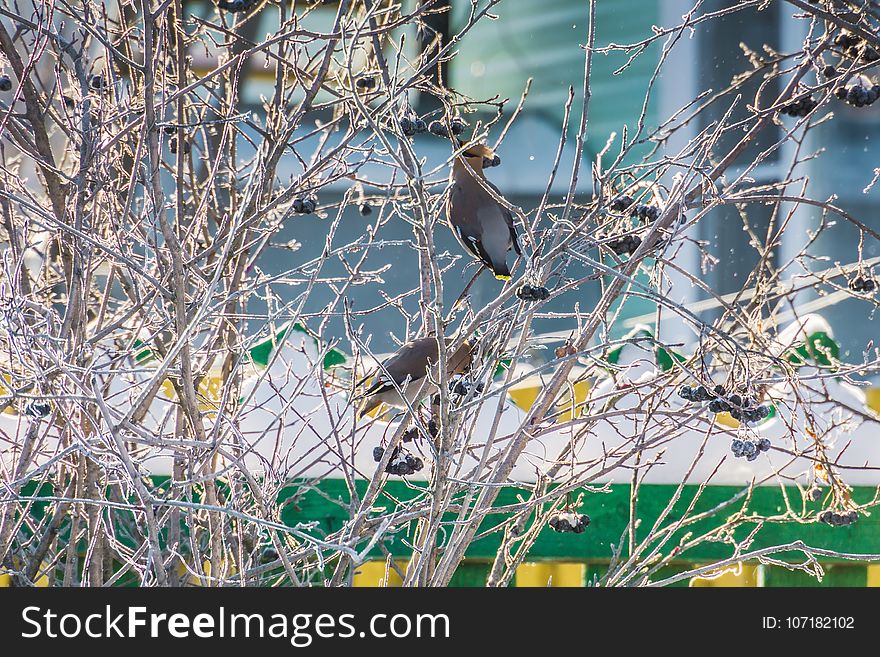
<point x="481" y="224"/>
<point x="409" y="369"/>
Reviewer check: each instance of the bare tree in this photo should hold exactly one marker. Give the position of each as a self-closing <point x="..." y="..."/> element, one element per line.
<point x="156" y="154"/>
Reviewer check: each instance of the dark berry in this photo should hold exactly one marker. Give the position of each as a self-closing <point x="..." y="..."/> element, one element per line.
<point x="366" y="209"/>
<point x="621" y="203"/>
<point x="377" y="454"/>
<point x="762" y="411"/>
<point x="37" y="409"/>
<point x="406" y="126"/>
<point x="437" y="128"/>
<point x="410" y="435"/>
<point x="420" y="126"/>
<point x="841" y="92"/>
<point x="719" y="391"/>
<point x="433" y="429"/>
<point x="856" y="284"/>
<point x="829" y="72"/>
<point x="686" y="392"/>
<point x="234" y="6"/>
<point x="458" y="127"/>
<point x="715" y="406"/>
<point x="526" y="292"/>
<point x="869" y="285"/>
<point x="304" y="205"/>
<point x="5" y="83"/>
<point x="172" y="145"/>
<point x="268" y="555"/>
<point x="764" y="444"/>
<point x="701" y="394"/>
<point x="814" y="494"/>
<point x="367" y="82"/>
<point x="736" y="400"/>
<point x="96" y="82"/>
<point x="494" y="162"/>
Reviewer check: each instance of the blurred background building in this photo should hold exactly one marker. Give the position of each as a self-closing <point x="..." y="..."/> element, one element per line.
<point x="543" y="41"/>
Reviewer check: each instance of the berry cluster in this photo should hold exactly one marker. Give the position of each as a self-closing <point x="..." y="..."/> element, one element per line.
<point x="647" y="213"/>
<point x="858" y="95"/>
<point x="854" y="47"/>
<point x="528" y="292"/>
<point x="463" y="386"/>
<point x="402" y="463"/>
<point x="800" y="107"/>
<point x="304" y="205"/>
<point x="5" y="83"/>
<point x="750" y="449"/>
<point x="741" y="409"/>
<point x="621" y="203"/>
<point x="37" y="409"/>
<point x="366" y="82"/>
<point x="569" y="521"/>
<point x="836" y="519"/>
<point x="627" y="244"/>
<point x="439" y="127"/>
<point x="862" y="284"/>
<point x="234" y="6"/>
<point x="410" y="127"/>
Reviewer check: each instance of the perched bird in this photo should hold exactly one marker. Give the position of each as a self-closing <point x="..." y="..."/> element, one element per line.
<point x="482" y="225"/>
<point x="408" y="368"/>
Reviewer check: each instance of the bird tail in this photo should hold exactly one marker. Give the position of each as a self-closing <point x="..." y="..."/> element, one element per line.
<point x="501" y="271"/>
<point x="369" y="404"/>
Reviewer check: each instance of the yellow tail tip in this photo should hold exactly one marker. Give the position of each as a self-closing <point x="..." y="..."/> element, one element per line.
<point x="502" y="277"/>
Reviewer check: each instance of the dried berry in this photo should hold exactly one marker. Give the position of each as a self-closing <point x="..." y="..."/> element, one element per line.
<point x="625" y="245"/>
<point x="569" y="521"/>
<point x="37" y="409"/>
<point x="304" y="205"/>
<point x="234" y="6"/>
<point x="621" y="203"/>
<point x="528" y="292"/>
<point x="172" y="145"/>
<point x="407" y="126"/>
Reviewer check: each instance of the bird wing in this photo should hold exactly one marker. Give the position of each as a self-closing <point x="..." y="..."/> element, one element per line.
<point x="508" y="217"/>
<point x="411" y="361"/>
